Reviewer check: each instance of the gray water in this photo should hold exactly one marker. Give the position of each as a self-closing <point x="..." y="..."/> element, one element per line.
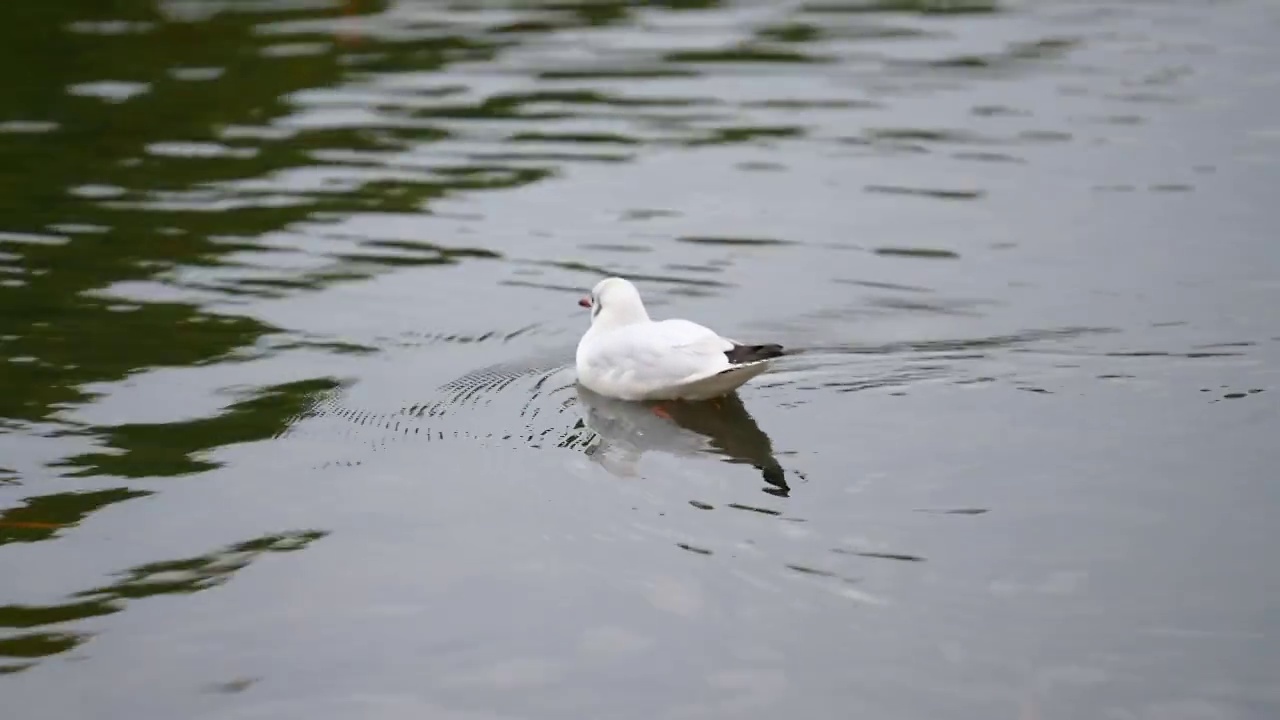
<point x="288" y="421"/>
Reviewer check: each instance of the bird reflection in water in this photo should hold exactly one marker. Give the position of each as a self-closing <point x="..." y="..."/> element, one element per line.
<point x="627" y="430"/>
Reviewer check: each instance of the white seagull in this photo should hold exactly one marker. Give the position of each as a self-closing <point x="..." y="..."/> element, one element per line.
<point x="627" y="356"/>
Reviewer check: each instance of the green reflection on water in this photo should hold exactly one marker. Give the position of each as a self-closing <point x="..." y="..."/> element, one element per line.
<point x="85" y="182"/>
<point x="182" y="576"/>
<point x="171" y="449"/>
<point x="40" y="518"/>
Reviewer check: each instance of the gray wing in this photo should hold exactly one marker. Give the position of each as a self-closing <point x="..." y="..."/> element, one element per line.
<point x="660" y="354"/>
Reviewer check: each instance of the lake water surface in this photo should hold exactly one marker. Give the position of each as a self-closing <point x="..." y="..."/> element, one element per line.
<point x="289" y="427"/>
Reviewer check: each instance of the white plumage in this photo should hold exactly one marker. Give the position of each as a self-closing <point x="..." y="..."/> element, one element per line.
<point x="626" y="355"/>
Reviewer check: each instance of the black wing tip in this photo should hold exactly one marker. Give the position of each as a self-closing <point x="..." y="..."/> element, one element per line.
<point x="743" y="354"/>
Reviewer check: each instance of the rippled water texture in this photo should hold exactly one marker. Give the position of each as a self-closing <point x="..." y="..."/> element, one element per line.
<point x="289" y="427"/>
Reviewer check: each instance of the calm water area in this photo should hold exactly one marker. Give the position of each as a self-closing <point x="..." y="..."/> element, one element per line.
<point x="289" y="426"/>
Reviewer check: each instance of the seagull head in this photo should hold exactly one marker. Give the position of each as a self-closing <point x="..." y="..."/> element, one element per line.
<point x="615" y="302"/>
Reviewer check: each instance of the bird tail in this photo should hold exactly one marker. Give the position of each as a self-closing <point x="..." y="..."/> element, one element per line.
<point x="743" y="354"/>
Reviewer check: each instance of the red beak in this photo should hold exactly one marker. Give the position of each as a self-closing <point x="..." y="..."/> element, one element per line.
<point x="585" y="302"/>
